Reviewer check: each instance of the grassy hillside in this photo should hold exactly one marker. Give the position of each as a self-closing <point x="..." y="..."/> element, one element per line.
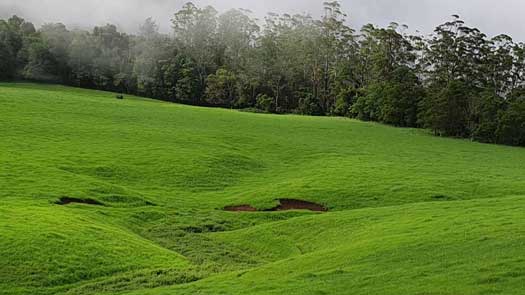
<point x="469" y="247"/>
<point x="409" y="213"/>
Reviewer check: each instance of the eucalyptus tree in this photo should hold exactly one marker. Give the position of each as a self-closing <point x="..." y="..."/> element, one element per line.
<point x="82" y="52"/>
<point x="58" y="38"/>
<point x="113" y="61"/>
<point x="511" y="125"/>
<point x="39" y="63"/>
<point x="337" y="44"/>
<point x="151" y="52"/>
<point x="16" y="39"/>
<point x="456" y="73"/>
<point x="195" y="32"/>
<point x="391" y="87"/>
<point x="237" y="34"/>
<point x="221" y="89"/>
<point x="235" y="82"/>
<point x="274" y="67"/>
<point x="8" y="51"/>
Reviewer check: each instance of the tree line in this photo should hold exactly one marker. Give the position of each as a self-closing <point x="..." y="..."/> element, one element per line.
<point x="455" y="82"/>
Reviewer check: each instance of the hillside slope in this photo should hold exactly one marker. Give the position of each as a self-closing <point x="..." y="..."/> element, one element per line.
<point x="409" y="213"/>
<point x="465" y="247"/>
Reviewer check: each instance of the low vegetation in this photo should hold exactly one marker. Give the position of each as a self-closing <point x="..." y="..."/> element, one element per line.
<point x="146" y="185"/>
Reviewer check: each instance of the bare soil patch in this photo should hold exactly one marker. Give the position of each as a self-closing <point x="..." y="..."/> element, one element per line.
<point x="285" y="205"/>
<point x="292" y="204"/>
<point x="69" y="200"/>
<point x="240" y="208"/>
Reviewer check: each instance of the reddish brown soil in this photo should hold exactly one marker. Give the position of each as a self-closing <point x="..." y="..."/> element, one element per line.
<point x="291" y="204"/>
<point x="69" y="200"/>
<point x="285" y="205"/>
<point x="240" y="208"/>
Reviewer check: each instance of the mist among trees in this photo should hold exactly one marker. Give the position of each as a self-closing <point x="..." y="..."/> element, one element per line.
<point x="457" y="82"/>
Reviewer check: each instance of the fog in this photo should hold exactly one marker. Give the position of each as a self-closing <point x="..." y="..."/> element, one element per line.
<point x="491" y="16"/>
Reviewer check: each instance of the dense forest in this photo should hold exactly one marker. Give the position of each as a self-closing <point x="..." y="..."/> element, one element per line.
<point x="456" y="82"/>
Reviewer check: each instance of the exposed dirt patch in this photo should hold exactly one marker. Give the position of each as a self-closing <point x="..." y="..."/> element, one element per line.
<point x="125" y="201"/>
<point x="69" y="200"/>
<point x="285" y="205"/>
<point x="291" y="204"/>
<point x="442" y="198"/>
<point x="240" y="208"/>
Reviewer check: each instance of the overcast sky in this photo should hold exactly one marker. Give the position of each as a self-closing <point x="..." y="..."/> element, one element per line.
<point x="491" y="16"/>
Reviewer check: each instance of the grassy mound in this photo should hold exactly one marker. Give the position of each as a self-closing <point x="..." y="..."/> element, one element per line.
<point x="48" y="249"/>
<point x="408" y="213"/>
<point x="466" y="247"/>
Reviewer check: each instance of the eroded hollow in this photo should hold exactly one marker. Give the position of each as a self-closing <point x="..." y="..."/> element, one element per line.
<point x="292" y="204"/>
<point x="284" y="205"/>
<point x="69" y="200"/>
<point x="240" y="208"/>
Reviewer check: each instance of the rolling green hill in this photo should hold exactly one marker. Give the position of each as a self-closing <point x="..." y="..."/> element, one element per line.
<point x="408" y="213"/>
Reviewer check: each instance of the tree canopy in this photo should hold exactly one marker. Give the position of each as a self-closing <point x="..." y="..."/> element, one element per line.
<point x="456" y="82"/>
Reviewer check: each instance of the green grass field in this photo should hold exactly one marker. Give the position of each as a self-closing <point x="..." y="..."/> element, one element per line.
<point x="409" y="213"/>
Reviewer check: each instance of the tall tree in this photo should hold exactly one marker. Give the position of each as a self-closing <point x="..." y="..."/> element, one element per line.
<point x="195" y="33"/>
